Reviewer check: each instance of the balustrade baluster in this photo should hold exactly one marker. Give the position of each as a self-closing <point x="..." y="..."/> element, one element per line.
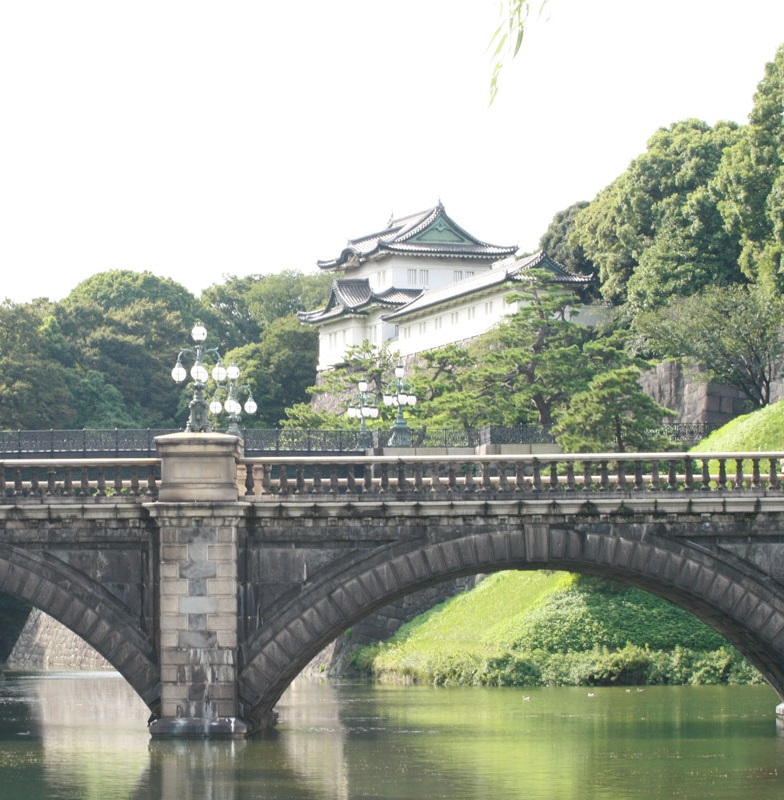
<point x="334" y="480"/>
<point x="621" y="475"/>
<point x="672" y="475"/>
<point x="118" y="481"/>
<point x="51" y="481"/>
<point x="418" y="482"/>
<point x="350" y="480"/>
<point x="367" y="478"/>
<point x="503" y="483"/>
<point x="100" y="488"/>
<point x="18" y="487"/>
<point x="152" y="481"/>
<point x="300" y="479"/>
<point x="604" y="477"/>
<point x="536" y="479"/>
<point x="587" y="477"/>
<point x="722" y="474"/>
<point x="384" y="478"/>
<point x="487" y="483"/>
<point x="34" y="482"/>
<point x="436" y="485"/>
<point x="739" y="479"/>
<point x="468" y="485"/>
<point x="283" y="480"/>
<point x="249" y="482"/>
<point x="266" y="479"/>
<point x="452" y="479"/>
<point x="553" y="476"/>
<point x="638" y="481"/>
<point x="519" y="477"/>
<point x="316" y="488"/>
<point x="2" y="481"/>
<point x="773" y="479"/>
<point x="134" y="481"/>
<point x="755" y="473"/>
<point x="570" y="481"/>
<point x="84" y="487"/>
<point x="689" y="474"/>
<point x="67" y="483"/>
<point x="705" y="479"/>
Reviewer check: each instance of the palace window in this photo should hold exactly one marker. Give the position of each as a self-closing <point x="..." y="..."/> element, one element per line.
<point x="457" y="275"/>
<point x="412" y="277"/>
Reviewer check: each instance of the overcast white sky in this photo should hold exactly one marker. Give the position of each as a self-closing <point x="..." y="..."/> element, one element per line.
<point x="197" y="139"/>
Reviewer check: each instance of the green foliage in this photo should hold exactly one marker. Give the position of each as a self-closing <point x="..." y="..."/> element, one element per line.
<point x="751" y="183"/>
<point x="657" y="229"/>
<point x="735" y="333"/>
<point x="760" y="430"/>
<point x="554" y="629"/>
<point x="613" y="414"/>
<point x="559" y="243"/>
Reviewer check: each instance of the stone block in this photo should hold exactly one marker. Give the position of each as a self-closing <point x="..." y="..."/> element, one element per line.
<point x="198" y="605"/>
<point x="197" y="569"/>
<point x="197" y="639"/>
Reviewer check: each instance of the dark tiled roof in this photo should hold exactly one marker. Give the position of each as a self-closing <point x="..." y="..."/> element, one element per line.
<point x="508" y="271"/>
<point x="427" y="233"/>
<point x="354" y="296"/>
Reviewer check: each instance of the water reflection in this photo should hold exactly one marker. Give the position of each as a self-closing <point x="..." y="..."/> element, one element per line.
<point x="86" y="737"/>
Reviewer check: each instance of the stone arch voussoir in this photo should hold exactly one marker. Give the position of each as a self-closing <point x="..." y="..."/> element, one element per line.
<point x="88" y="610"/>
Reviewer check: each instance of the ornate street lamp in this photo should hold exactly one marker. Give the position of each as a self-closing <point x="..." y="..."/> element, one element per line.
<point x="362" y="405"/>
<point x="400" y="393"/>
<point x="198" y="419"/>
<point x="232" y="404"/>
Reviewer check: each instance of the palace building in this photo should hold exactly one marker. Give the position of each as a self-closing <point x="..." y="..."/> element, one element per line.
<point x="420" y="283"/>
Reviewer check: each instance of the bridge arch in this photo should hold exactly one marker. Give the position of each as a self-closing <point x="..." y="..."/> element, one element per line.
<point x="89" y="610"/>
<point x="731" y="595"/>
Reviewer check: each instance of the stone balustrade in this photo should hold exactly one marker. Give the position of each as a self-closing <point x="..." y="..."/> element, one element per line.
<point x="79" y="479"/>
<point x="421" y="477"/>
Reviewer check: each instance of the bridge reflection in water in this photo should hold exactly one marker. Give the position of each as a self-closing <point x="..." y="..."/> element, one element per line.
<point x="210" y="579"/>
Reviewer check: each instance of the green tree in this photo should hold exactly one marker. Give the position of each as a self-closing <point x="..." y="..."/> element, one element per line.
<point x="557" y="241"/>
<point x="657" y="230"/>
<point x="734" y="333"/>
<point x="129" y="327"/>
<point x="284" y="293"/>
<point x="612" y="414"/>
<point x="534" y="360"/>
<point x="361" y="362"/>
<point x="446" y="389"/>
<point x="751" y="182"/>
<point x="229" y="314"/>
<point x="34" y="391"/>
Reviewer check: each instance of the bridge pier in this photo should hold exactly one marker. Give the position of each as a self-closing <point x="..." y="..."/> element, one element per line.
<point x="198" y="519"/>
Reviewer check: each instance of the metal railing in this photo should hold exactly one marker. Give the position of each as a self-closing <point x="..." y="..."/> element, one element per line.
<point x="136" y="443"/>
<point x="459" y="477"/>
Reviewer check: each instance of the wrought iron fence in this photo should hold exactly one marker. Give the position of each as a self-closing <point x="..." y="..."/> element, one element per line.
<point x="141" y="442"/>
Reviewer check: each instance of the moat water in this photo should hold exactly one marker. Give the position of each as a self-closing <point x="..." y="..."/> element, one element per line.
<point x="84" y="736"/>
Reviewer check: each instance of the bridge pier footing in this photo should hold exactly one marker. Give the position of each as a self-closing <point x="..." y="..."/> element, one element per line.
<point x="197" y="588"/>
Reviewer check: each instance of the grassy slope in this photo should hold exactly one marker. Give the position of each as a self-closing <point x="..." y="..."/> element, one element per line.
<point x="512" y="614"/>
<point x="761" y="430"/>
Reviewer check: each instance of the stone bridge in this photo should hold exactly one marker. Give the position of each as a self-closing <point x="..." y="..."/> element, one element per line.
<point x="209" y="580"/>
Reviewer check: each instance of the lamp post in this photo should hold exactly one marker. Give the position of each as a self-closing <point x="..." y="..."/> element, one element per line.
<point x="400" y="393"/>
<point x="198" y="419"/>
<point x="362" y="405"/>
<point x="232" y="404"/>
